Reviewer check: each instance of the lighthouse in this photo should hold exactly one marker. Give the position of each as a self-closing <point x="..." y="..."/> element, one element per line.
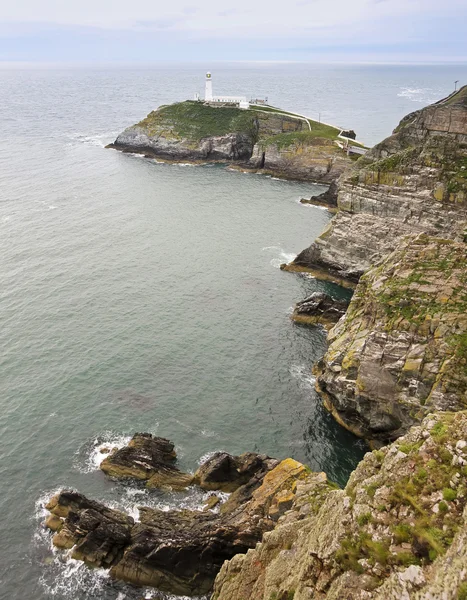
<point x="208" y="88"/>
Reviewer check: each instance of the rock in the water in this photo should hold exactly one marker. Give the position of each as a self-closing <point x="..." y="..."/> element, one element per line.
<point x="227" y="473"/>
<point x="319" y="308"/>
<point x="96" y="533"/>
<point x="327" y="198"/>
<point x="176" y="551"/>
<point x="147" y="458"/>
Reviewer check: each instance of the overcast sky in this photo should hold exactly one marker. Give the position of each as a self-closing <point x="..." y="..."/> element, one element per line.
<point x="290" y="30"/>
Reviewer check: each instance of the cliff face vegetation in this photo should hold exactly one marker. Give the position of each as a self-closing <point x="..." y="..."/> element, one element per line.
<point x="414" y="181"/>
<point x="400" y="351"/>
<point x="260" y="138"/>
<point x="397" y="531"/>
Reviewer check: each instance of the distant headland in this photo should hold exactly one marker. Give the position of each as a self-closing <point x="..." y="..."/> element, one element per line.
<point x="251" y="133"/>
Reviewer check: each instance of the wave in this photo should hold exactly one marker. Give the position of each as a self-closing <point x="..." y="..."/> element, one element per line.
<point x="304" y="375"/>
<point x="310" y="205"/>
<point x="284" y="257"/>
<point x="421" y="95"/>
<point x="99" y="139"/>
<point x="90" y="456"/>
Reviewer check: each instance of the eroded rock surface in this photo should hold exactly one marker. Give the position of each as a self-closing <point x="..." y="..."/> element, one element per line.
<point x="400" y="351"/>
<point x="414" y="181"/>
<point x="147" y="458"/>
<point x="225" y="472"/>
<point x="179" y="551"/>
<point x="319" y="308"/>
<point x="396" y="532"/>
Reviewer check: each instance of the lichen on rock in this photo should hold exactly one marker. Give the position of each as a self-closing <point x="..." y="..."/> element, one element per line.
<point x="401" y="349"/>
<point x="396" y="531"/>
<point x="414" y="181"/>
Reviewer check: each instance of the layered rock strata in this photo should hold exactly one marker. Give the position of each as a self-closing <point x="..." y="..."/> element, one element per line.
<point x="269" y="141"/>
<point x="397" y="530"/>
<point x="147" y="458"/>
<point x="414" y="181"/>
<point x="227" y="473"/>
<point x="319" y="309"/>
<point x="401" y="349"/>
<point x="179" y="551"/>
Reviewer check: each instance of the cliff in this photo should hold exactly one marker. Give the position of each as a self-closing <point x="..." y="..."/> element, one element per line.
<point x="260" y="138"/>
<point x="400" y="351"/>
<point x="397" y="531"/>
<point x="414" y="181"/>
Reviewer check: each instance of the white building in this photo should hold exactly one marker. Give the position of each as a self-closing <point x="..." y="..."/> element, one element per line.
<point x="239" y="101"/>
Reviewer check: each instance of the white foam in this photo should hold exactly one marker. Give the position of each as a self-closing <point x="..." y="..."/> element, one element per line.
<point x="207" y="456"/>
<point x="421" y="95"/>
<point x="304" y="375"/>
<point x="284" y="257"/>
<point x="207" y="433"/>
<point x="99" y="139"/>
<point x="66" y="578"/>
<point x="98" y="449"/>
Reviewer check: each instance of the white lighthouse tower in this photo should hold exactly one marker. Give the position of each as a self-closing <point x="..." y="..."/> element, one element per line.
<point x="208" y="88"/>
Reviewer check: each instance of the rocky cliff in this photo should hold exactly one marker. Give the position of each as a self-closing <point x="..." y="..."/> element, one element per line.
<point x="396" y="532"/>
<point x="400" y="351"/>
<point x="273" y="141"/>
<point x="414" y="181"/>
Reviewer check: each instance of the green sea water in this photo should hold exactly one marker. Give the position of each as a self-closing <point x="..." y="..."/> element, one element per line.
<point x="138" y="296"/>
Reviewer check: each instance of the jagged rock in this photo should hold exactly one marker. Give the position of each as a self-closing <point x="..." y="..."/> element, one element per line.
<point x="319" y="308"/>
<point x="227" y="473"/>
<point x="377" y="539"/>
<point x="412" y="182"/>
<point x="327" y="198"/>
<point x="400" y="350"/>
<point x="147" y="458"/>
<point x="176" y="551"/>
<point x="96" y="533"/>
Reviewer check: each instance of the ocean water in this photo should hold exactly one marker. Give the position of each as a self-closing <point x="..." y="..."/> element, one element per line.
<point x="138" y="296"/>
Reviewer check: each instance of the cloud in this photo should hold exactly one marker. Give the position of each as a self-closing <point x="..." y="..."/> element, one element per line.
<point x="300" y="30"/>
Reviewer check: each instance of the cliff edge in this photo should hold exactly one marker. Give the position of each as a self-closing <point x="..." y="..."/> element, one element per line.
<point x="397" y="530"/>
<point x="414" y="181"/>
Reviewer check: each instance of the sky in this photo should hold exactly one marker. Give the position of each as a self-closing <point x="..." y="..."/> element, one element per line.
<point x="147" y="31"/>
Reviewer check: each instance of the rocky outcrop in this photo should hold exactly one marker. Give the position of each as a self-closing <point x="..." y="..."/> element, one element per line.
<point x="147" y="458"/>
<point x="263" y="140"/>
<point x="301" y="158"/>
<point x="414" y="181"/>
<point x="227" y="473"/>
<point x="319" y="308"/>
<point x="397" y="531"/>
<point x="327" y="199"/>
<point x="401" y="349"/>
<point x="179" y="551"/>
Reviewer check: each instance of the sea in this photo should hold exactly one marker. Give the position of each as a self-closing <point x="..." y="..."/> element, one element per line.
<point x="138" y="296"/>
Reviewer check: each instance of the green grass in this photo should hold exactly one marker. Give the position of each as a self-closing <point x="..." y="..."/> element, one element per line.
<point x="195" y="121"/>
<point x="318" y="130"/>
